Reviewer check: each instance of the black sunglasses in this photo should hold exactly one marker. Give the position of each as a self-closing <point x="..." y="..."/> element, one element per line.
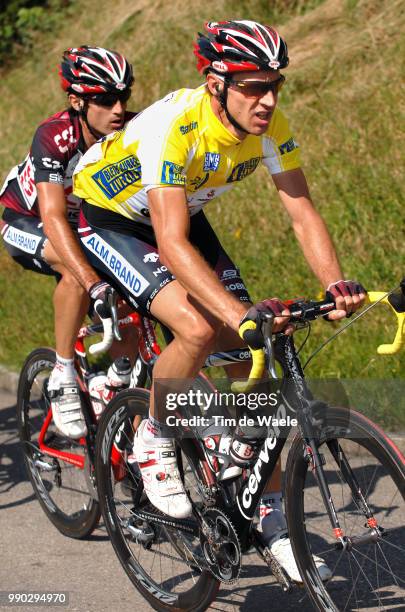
<point x="110" y="99"/>
<point x="256" y="89"/>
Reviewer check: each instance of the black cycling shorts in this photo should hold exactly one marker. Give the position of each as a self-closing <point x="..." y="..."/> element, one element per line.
<point x="24" y="239"/>
<point x="125" y="252"/>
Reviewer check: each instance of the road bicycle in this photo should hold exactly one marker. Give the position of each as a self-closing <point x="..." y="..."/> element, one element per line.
<point x="344" y="497"/>
<point x="61" y="470"/>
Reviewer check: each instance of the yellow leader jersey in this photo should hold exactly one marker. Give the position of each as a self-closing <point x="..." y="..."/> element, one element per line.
<point x="178" y="141"/>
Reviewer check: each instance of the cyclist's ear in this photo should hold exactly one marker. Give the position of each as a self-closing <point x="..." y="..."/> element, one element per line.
<point x="76" y="102"/>
<point x="213" y="85"/>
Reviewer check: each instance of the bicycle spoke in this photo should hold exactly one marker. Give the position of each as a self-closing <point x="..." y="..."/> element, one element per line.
<point x="370" y="574"/>
<point x="368" y="582"/>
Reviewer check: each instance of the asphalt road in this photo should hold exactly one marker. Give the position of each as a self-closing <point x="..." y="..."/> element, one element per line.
<point x="36" y="557"/>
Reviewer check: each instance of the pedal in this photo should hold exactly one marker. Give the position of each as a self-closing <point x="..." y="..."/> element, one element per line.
<point x="278" y="572"/>
<point x="141" y="532"/>
<point x="44" y="466"/>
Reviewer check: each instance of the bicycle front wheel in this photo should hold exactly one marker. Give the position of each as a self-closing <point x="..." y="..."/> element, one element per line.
<point x="370" y="574"/>
<point x="62" y="489"/>
<point x="163" y="563"/>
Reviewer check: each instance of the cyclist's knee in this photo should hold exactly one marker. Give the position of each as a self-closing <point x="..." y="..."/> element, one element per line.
<point x="70" y="282"/>
<point x="196" y="333"/>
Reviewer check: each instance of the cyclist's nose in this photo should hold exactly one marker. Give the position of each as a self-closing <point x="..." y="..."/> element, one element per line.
<point x="269" y="99"/>
<point x="119" y="107"/>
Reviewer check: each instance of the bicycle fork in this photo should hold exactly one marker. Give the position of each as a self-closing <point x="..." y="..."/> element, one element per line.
<point x="315" y="458"/>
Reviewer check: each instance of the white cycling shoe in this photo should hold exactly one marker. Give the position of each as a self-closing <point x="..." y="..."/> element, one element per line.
<point x="280" y="547"/>
<point x="161" y="479"/>
<point x="67" y="410"/>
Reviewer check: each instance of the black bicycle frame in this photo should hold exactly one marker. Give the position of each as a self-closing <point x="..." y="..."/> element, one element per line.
<point x="295" y="397"/>
<point x="297" y="400"/>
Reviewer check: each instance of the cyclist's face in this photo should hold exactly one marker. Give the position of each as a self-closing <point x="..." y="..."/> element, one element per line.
<point x="106" y="119"/>
<point x="252" y="108"/>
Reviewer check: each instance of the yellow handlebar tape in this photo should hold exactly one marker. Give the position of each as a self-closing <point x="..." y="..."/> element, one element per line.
<point x="399" y="340"/>
<point x="256" y="372"/>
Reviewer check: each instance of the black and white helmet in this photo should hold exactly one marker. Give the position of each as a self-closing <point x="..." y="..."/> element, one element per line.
<point x="238" y="46"/>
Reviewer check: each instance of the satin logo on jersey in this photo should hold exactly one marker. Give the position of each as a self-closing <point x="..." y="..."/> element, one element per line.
<point x="288" y="146"/>
<point x="185" y="129"/>
<point x="116" y="177"/>
<point x="243" y="170"/>
<point x="22" y="240"/>
<point x="211" y="162"/>
<point x="119" y="266"/>
<point x="172" y="174"/>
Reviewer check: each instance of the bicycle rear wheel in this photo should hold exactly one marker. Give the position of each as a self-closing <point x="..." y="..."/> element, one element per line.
<point x="62" y="489"/>
<point x="163" y="563"/>
<point x="371" y="575"/>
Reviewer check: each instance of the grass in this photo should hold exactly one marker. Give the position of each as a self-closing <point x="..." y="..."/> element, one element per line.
<point x="343" y="99"/>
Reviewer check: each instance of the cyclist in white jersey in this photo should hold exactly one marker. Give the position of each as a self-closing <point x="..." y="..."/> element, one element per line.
<point x="142" y="221"/>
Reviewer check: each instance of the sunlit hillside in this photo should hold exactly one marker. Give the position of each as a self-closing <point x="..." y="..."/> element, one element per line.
<point x="344" y="99"/>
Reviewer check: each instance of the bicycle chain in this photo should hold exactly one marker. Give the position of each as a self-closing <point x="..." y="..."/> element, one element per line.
<point x="200" y="561"/>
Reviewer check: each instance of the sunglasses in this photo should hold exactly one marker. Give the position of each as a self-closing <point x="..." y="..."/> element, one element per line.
<point x="110" y="99"/>
<point x="257" y="89"/>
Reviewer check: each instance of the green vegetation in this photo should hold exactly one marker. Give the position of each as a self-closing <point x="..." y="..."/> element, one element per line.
<point x="343" y="100"/>
<point x="23" y="21"/>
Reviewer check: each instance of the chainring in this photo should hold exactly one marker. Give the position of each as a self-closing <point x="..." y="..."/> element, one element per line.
<point x="220" y="546"/>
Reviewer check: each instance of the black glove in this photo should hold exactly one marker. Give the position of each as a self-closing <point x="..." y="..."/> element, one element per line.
<point x="254" y="337"/>
<point x="105" y="298"/>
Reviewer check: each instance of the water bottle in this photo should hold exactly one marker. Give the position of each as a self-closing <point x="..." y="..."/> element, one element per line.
<point x="118" y="378"/>
<point x="96" y="386"/>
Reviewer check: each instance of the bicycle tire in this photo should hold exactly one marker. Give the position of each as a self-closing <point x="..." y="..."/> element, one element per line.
<point x="71" y="508"/>
<point x="117" y="516"/>
<point x="379" y="468"/>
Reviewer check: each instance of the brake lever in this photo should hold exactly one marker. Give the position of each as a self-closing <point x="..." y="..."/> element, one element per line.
<point x="267" y="320"/>
<point x="111" y="296"/>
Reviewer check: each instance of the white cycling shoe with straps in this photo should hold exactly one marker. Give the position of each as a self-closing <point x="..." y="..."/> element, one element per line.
<point x="280" y="547"/>
<point x="161" y="478"/>
<point x="67" y="410"/>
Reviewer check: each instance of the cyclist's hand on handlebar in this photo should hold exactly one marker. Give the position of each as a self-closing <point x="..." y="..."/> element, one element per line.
<point x="104" y="298"/>
<point x="105" y="305"/>
<point x="254" y="337"/>
<point x="348" y="296"/>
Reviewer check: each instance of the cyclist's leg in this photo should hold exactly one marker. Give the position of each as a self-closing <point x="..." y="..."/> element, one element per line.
<point x="128" y="256"/>
<point x="71" y="304"/>
<point x="25" y="240"/>
<point x="272" y="517"/>
<point x="132" y="263"/>
<point x="27" y="244"/>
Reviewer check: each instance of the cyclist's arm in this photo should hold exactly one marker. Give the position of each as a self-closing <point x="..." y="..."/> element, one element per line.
<point x="171" y="223"/>
<point x="311" y="231"/>
<point x="53" y="211"/>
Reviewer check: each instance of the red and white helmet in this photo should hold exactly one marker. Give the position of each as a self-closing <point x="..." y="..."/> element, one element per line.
<point x="236" y="46"/>
<point x="88" y="71"/>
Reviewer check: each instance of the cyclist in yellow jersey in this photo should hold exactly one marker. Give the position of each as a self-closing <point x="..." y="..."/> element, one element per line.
<point x="142" y="224"/>
<point x="180" y="142"/>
